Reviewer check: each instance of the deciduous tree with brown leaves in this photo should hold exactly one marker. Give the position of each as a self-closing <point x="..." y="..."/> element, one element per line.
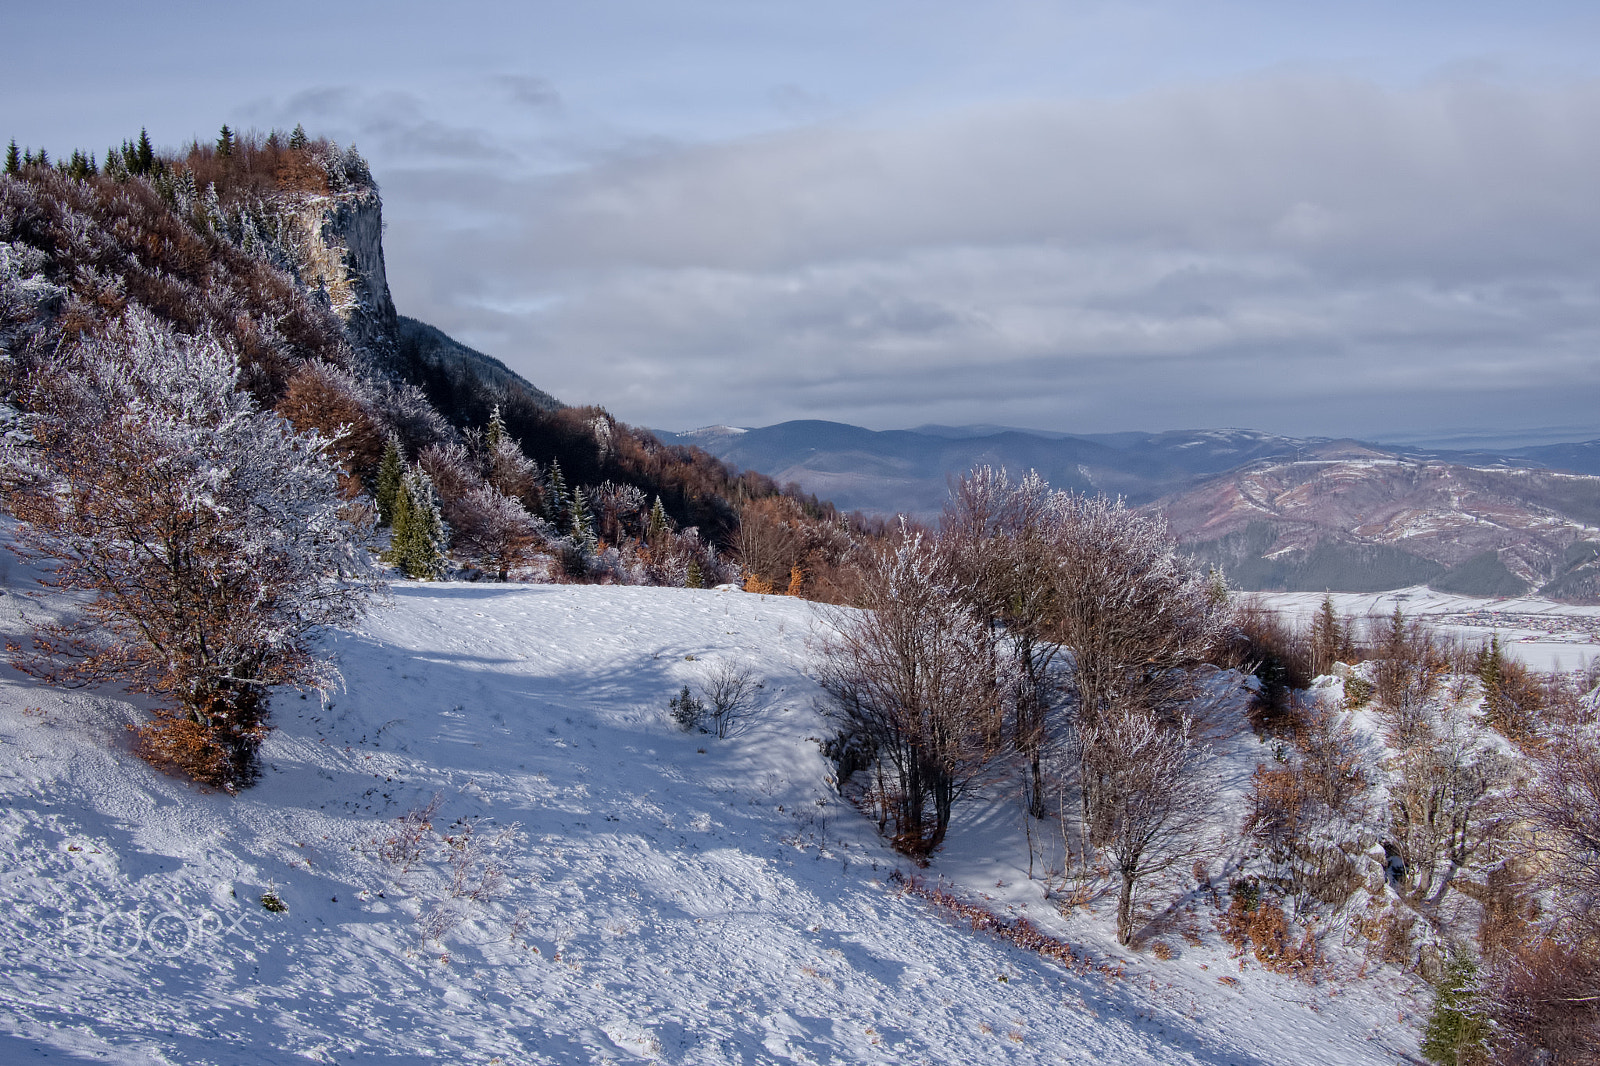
<point x="209" y="538"/>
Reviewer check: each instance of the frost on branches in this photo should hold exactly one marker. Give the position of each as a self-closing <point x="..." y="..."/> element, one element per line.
<point x="209" y="537"/>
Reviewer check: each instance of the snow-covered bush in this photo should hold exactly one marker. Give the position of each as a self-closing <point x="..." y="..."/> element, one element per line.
<point x="210" y="537"/>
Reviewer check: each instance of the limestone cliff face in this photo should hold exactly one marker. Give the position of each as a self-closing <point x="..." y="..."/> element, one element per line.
<point x="341" y="254"/>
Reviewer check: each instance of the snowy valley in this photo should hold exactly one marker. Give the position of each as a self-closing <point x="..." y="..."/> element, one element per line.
<point x="642" y="893"/>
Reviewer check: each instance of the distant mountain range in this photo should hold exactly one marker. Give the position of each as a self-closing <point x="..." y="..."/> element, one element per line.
<point x="1296" y="514"/>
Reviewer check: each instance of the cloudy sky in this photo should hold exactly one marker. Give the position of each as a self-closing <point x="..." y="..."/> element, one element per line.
<point x="1363" y="218"/>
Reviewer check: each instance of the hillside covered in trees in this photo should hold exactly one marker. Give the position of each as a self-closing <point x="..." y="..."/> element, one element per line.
<point x="272" y="245"/>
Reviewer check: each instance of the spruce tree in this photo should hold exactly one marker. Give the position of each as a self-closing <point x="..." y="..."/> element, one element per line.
<point x="391" y="471"/>
<point x="657" y="527"/>
<point x="582" y="523"/>
<point x="13" y="158"/>
<point x="298" y="140"/>
<point x="1458" y="1031"/>
<point x="42" y="159"/>
<point x="144" y="155"/>
<point x="225" y="142"/>
<point x="417" y="546"/>
<point x="496" y="431"/>
<point x="556" y="498"/>
<point x="1327" y="637"/>
<point x="694" y="579"/>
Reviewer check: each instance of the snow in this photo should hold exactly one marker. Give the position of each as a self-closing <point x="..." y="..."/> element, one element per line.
<point x="667" y="897"/>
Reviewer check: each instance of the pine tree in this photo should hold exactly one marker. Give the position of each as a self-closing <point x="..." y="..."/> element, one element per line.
<point x="144" y="155"/>
<point x="298" y="140"/>
<point x="417" y="546"/>
<point x="582" y="522"/>
<point x="42" y="159"/>
<point x="657" y="527"/>
<point x="391" y="471"/>
<point x="556" y="498"/>
<point x="13" y="158"/>
<point x="495" y="433"/>
<point x="1458" y="1031"/>
<point x="225" y="142"/>
<point x="1327" y="637"/>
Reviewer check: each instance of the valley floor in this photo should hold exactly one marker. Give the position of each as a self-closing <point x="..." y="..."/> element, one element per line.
<point x="1542" y="633"/>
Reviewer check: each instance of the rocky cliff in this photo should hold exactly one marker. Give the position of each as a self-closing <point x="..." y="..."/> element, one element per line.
<point x="340" y="246"/>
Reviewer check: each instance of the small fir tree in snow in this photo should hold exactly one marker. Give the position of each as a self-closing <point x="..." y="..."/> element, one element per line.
<point x="13" y="159"/>
<point x="391" y="471"/>
<point x="297" y="139"/>
<point x="657" y="526"/>
<point x="557" y="498"/>
<point x="1458" y="1030"/>
<point x="417" y="546"/>
<point x="506" y="467"/>
<point x="582" y="523"/>
<point x="495" y="432"/>
<point x="144" y="155"/>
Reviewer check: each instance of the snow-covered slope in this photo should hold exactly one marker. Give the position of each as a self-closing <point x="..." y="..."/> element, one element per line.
<point x="642" y="894"/>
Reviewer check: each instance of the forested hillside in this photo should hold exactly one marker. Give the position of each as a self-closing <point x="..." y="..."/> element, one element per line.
<point x="272" y="245"/>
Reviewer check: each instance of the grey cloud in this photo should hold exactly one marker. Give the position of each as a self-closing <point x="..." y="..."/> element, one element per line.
<point x="390" y="125"/>
<point x="1298" y="254"/>
<point x="527" y="90"/>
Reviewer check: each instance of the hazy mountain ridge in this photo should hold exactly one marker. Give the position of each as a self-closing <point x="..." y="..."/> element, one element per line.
<point x="1276" y="512"/>
<point x="1361" y="525"/>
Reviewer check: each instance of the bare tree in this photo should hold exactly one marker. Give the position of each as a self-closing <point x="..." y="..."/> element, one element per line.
<point x="1153" y="797"/>
<point x="1564" y="808"/>
<point x="1136" y="618"/>
<point x="1410" y="667"/>
<point x="912" y="675"/>
<point x="730" y="697"/>
<point x="999" y="539"/>
<point x="1448" y="804"/>
<point x="1133" y="614"/>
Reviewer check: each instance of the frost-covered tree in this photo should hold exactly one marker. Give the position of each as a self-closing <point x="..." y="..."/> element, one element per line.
<point x="658" y="524"/>
<point x="912" y="679"/>
<point x="582" y="521"/>
<point x="557" y="498"/>
<point x="505" y="466"/>
<point x="494" y="531"/>
<point x="1000" y="539"/>
<point x="1153" y="797"/>
<point x="1136" y="619"/>
<point x="208" y="536"/>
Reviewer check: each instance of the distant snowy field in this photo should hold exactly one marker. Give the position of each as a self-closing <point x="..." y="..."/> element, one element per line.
<point x="667" y="897"/>
<point x="1542" y="633"/>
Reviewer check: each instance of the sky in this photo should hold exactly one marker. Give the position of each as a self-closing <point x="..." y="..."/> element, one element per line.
<point x="1366" y="219"/>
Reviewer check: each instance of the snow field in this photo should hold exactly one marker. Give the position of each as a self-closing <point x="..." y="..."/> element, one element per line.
<point x="1544" y="634"/>
<point x="612" y="890"/>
